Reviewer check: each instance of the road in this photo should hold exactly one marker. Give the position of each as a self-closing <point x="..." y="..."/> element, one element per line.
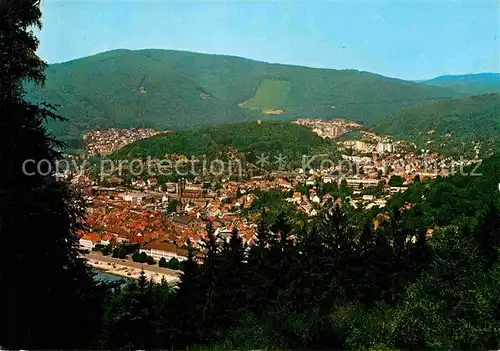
<point x="151" y="268"/>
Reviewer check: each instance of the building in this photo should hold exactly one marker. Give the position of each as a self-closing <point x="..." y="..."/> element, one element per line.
<point x="171" y="187"/>
<point x="358" y="145"/>
<point x="384" y="147"/>
<point x="163" y="250"/>
<point x="134" y="197"/>
<point x="185" y="222"/>
<point x="367" y="183"/>
<point x="397" y="189"/>
<point x="89" y="240"/>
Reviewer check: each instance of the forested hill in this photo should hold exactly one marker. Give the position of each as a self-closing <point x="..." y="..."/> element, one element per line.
<point x="269" y="137"/>
<point x="469" y="83"/>
<point x="167" y="89"/>
<point x="457" y="199"/>
<point x="476" y="117"/>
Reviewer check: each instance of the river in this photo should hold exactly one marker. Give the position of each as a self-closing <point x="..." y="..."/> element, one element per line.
<point x="101" y="275"/>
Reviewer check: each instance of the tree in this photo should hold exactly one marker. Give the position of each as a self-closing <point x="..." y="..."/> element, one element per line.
<point x="487" y="234"/>
<point x="173" y="263"/>
<point x="107" y="250"/>
<point x="132" y="316"/>
<point x="449" y="307"/>
<point x="210" y="280"/>
<point x="39" y="216"/>
<point x="260" y="282"/>
<point x="235" y="273"/>
<point x="188" y="301"/>
<point x="150" y="260"/>
<point x="396" y="181"/>
<point x="172" y="205"/>
<point x="143" y="257"/>
<point x="162" y="262"/>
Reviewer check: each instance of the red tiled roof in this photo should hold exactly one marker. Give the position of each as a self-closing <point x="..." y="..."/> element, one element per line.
<point x="94" y="237"/>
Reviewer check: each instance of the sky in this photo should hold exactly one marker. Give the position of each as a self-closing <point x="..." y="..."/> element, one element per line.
<point x="403" y="39"/>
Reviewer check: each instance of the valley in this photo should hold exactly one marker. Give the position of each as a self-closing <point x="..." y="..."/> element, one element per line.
<point x="231" y="175"/>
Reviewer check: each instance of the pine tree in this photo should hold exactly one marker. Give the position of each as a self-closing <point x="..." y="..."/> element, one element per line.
<point x="44" y="286"/>
<point x="338" y="236"/>
<point x="312" y="273"/>
<point x="212" y="278"/>
<point x="188" y="302"/>
<point x="132" y="316"/>
<point x="376" y="258"/>
<point x="487" y="234"/>
<point x="260" y="290"/>
<point x="234" y="274"/>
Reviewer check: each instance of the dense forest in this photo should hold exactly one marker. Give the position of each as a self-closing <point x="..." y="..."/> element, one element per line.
<point x="475" y="118"/>
<point x="167" y="89"/>
<point x="249" y="138"/>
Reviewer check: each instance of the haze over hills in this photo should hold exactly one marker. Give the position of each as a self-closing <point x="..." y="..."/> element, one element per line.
<point x="476" y="117"/>
<point x="167" y="89"/>
<point x="469" y="83"/>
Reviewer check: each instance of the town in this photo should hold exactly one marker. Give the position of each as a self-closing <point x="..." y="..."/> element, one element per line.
<point x="104" y="142"/>
<point x="161" y="219"/>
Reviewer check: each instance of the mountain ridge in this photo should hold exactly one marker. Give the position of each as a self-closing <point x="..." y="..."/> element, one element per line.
<point x="473" y="83"/>
<point x="171" y="89"/>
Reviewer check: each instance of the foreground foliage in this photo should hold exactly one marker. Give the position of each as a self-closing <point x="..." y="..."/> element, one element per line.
<point x="44" y="286"/>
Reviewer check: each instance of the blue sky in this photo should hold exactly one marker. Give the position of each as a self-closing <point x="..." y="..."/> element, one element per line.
<point x="404" y="39"/>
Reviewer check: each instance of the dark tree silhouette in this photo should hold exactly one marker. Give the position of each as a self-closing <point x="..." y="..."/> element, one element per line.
<point x="44" y="286"/>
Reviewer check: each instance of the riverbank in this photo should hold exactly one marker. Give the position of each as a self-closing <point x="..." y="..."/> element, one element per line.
<point x="131" y="270"/>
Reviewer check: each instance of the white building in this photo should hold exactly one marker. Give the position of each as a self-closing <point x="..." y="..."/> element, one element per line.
<point x="86" y="244"/>
<point x="385" y="147"/>
<point x="133" y="197"/>
<point x="162" y="250"/>
<point x="89" y="241"/>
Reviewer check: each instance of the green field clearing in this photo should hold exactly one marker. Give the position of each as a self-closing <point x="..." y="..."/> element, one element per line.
<point x="271" y="94"/>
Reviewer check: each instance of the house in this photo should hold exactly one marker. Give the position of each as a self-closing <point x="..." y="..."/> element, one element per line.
<point x="134" y="197"/>
<point x="286" y="185"/>
<point x="328" y="180"/>
<point x="184" y="222"/>
<point x="367" y="183"/>
<point x="138" y="183"/>
<point x="223" y="234"/>
<point x="106" y="238"/>
<point x="397" y="189"/>
<point x="122" y="237"/>
<point x="89" y="240"/>
<point x="171" y="187"/>
<point x="163" y="250"/>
